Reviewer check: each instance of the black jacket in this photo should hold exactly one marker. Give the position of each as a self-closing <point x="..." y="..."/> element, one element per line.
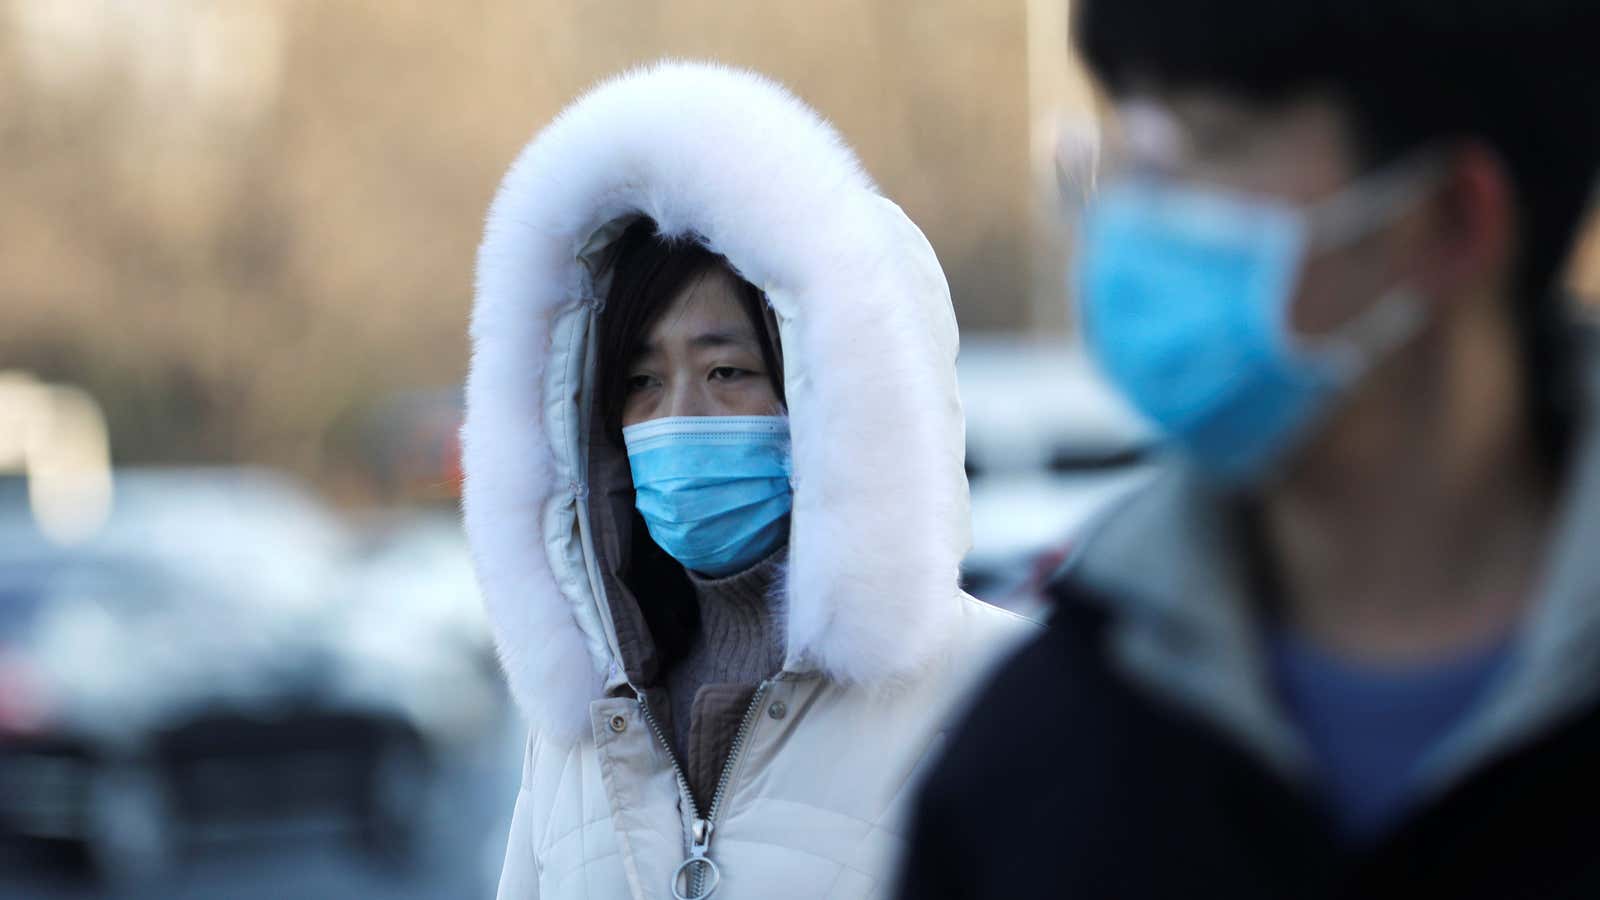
<point x="1068" y="780"/>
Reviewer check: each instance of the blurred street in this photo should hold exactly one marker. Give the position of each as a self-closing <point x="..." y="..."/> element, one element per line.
<point x="460" y="855"/>
<point x="227" y="689"/>
<point x="243" y="649"/>
<point x="216" y="684"/>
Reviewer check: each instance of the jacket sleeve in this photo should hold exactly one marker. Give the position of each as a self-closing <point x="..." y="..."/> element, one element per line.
<point x="519" y="876"/>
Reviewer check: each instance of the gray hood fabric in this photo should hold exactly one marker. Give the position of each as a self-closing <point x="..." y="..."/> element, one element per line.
<point x="1167" y="564"/>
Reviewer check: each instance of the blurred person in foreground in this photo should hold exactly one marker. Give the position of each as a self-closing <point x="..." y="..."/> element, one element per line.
<point x="1350" y="645"/>
<point x="715" y="492"/>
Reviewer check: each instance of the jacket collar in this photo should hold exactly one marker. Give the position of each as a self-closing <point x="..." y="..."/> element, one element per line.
<point x="869" y="340"/>
<point x="1169" y="566"/>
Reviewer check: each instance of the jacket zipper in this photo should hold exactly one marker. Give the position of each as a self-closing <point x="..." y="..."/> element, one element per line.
<point x="702" y="826"/>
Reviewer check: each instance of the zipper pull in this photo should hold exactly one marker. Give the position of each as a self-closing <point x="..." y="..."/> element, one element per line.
<point x="701" y="837"/>
<point x="698" y="866"/>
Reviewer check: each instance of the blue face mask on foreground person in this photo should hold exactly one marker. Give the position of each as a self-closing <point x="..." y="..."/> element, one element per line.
<point x="1185" y="299"/>
<point x="713" y="490"/>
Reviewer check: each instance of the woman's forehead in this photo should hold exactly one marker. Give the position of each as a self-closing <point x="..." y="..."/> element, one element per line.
<point x="707" y="311"/>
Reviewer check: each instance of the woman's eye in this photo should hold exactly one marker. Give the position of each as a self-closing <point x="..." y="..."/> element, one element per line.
<point x="727" y="373"/>
<point x="640" y="383"/>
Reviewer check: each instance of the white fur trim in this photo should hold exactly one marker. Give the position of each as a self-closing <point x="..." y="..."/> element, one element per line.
<point x="869" y="338"/>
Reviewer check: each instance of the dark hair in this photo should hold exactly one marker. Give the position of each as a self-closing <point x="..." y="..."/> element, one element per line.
<point x="648" y="272"/>
<point x="1518" y="75"/>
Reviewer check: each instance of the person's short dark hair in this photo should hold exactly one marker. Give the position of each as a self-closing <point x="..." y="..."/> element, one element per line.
<point x="1518" y="75"/>
<point x="648" y="272"/>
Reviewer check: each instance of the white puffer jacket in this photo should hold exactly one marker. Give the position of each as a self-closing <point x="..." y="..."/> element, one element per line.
<point x="881" y="641"/>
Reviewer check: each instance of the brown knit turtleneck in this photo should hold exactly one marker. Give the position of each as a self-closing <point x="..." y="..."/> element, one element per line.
<point x="739" y="644"/>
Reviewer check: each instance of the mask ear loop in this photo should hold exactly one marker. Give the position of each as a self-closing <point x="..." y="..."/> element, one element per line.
<point x="1360" y="209"/>
<point x="1379" y="330"/>
<point x="1373" y="202"/>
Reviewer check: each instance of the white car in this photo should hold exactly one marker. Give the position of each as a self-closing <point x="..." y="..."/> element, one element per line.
<point x="1038" y="403"/>
<point x="413" y="633"/>
<point x="180" y="676"/>
<point x="1049" y="445"/>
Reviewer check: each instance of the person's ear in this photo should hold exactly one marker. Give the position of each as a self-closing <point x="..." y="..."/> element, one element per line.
<point x="1469" y="225"/>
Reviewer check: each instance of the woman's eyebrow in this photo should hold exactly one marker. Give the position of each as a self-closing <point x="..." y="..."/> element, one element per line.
<point x="708" y="340"/>
<point x="715" y="339"/>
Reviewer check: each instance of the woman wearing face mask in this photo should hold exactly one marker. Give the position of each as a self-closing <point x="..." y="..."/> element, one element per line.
<point x="714" y="489"/>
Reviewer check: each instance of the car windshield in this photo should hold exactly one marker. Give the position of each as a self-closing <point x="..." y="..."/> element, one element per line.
<point x="30" y="586"/>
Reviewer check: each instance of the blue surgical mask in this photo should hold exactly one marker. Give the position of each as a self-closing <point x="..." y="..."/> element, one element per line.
<point x="713" y="490"/>
<point x="1184" y="298"/>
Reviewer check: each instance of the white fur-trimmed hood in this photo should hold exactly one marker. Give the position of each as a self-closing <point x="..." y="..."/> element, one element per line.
<point x="880" y="519"/>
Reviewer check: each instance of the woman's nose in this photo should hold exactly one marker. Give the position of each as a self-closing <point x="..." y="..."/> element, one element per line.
<point x="689" y="400"/>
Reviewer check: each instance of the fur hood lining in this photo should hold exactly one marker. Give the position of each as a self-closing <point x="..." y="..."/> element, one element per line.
<point x="869" y="342"/>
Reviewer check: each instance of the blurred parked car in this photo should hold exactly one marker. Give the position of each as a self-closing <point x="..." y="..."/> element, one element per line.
<point x="186" y="675"/>
<point x="1049" y="445"/>
<point x="1024" y="522"/>
<point x="412" y="633"/>
<point x="1037" y="403"/>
